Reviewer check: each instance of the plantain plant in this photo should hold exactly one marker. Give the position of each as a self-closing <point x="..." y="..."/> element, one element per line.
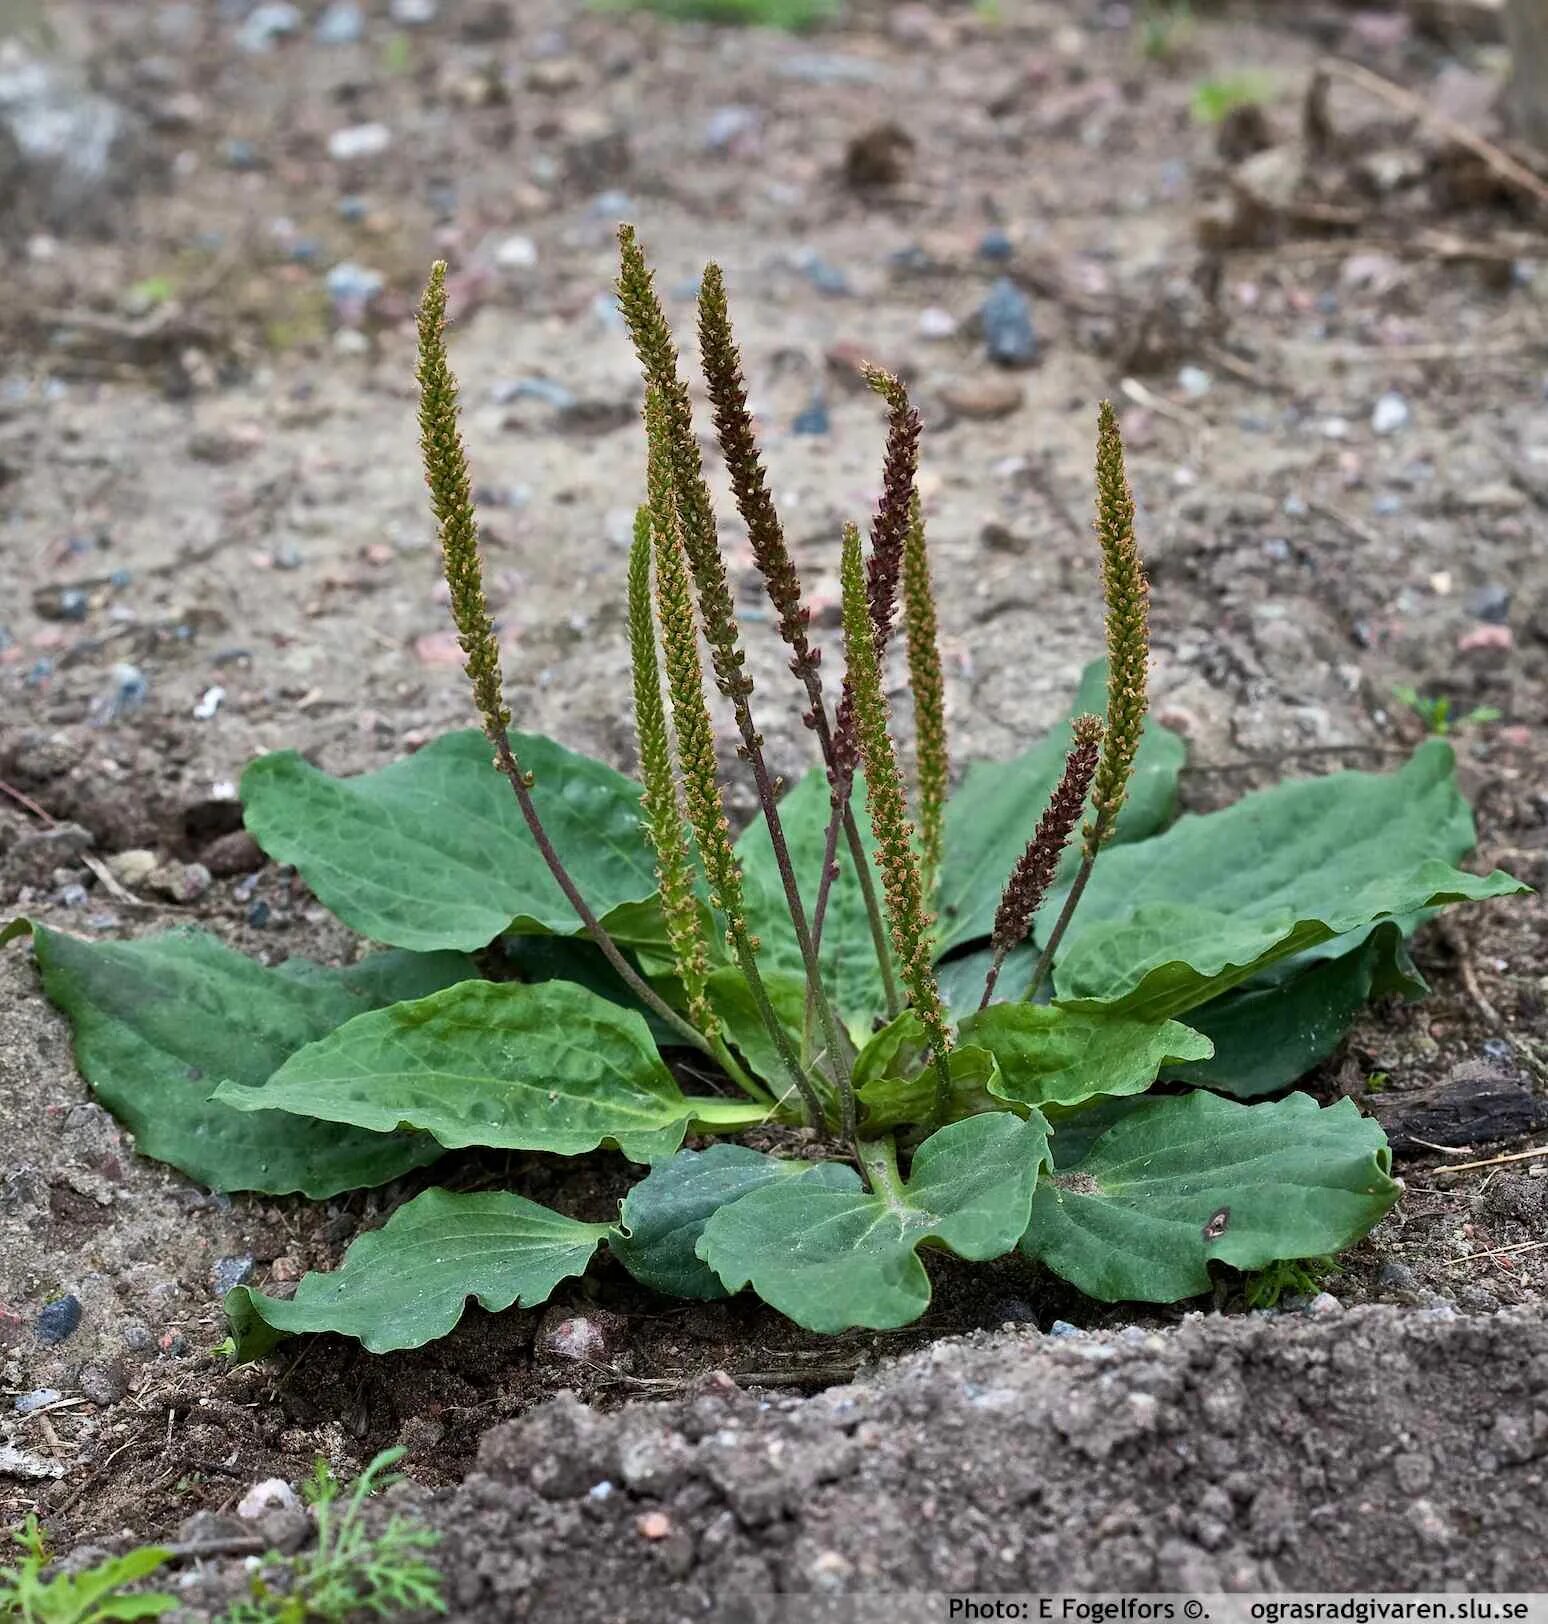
<point x="1036" y="1016"/>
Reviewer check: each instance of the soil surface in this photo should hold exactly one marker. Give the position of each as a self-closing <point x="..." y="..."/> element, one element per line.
<point x="1325" y="327"/>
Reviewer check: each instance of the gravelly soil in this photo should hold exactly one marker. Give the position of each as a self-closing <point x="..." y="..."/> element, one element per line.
<point x="232" y="491"/>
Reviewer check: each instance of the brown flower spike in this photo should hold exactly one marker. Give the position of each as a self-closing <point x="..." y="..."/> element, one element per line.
<point x="1035" y="870"/>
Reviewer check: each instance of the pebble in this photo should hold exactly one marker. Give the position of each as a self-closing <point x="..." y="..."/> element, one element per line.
<point x="272" y="1494"/>
<point x="129" y="691"/>
<point x="209" y="702"/>
<point x="1063" y="1328"/>
<point x="653" y="1525"/>
<point x="937" y="323"/>
<point x="824" y="277"/>
<point x="353" y="285"/>
<point x="815" y="419"/>
<point x="132" y="868"/>
<point x="231" y="1272"/>
<point x="104" y="1384"/>
<point x="241" y="155"/>
<point x="58" y="1320"/>
<point x="1194" y="382"/>
<point x="516" y="253"/>
<point x="1324" y="1303"/>
<point x="38" y="1399"/>
<point x="413" y="13"/>
<point x="234" y="853"/>
<point x="578" y="1339"/>
<point x="983" y="398"/>
<point x="342" y="23"/>
<point x="1491" y="604"/>
<point x="730" y="127"/>
<point x="179" y="882"/>
<point x="1390" y="413"/>
<point x="356" y="141"/>
<point x="545" y="390"/>
<point x="267" y="23"/>
<point x="1006" y="315"/>
<point x="995" y="247"/>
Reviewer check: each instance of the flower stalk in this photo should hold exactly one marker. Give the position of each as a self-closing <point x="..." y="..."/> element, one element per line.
<point x="722" y="364"/>
<point x="451" y="499"/>
<point x="889" y="817"/>
<point x="657" y="352"/>
<point x="932" y="757"/>
<point x="1039" y="863"/>
<point x="1127" y="596"/>
<point x="695" y="732"/>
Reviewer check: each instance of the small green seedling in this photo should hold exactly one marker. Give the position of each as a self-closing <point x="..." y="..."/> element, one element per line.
<point x="349" y="1570"/>
<point x="90" y="1597"/>
<point x="1295" y="1276"/>
<point x="1436" y="713"/>
<point x="1214" y="100"/>
<point x="1030" y="1015"/>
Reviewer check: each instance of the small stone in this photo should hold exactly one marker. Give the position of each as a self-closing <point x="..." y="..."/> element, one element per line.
<point x="209" y="702"/>
<point x="1491" y="604"/>
<point x="357" y="141"/>
<point x="815" y="419"/>
<point x="58" y="1320"/>
<point x="653" y="1525"/>
<point x="413" y="13"/>
<point x="1001" y="538"/>
<point x="352" y="287"/>
<point x="577" y="1338"/>
<point x="732" y="128"/>
<point x="104" y="1384"/>
<point x="1498" y="638"/>
<point x="1063" y="1328"/>
<point x="272" y="1494"/>
<point x="342" y="23"/>
<point x="826" y="278"/>
<point x="38" y="1399"/>
<point x="231" y="1272"/>
<point x="1390" y="413"/>
<point x="179" y="882"/>
<point x="267" y="23"/>
<point x="983" y="399"/>
<point x="516" y="253"/>
<point x="1324" y="1303"/>
<point x="936" y="323"/>
<point x="1396" y="1277"/>
<point x="258" y="914"/>
<point x="995" y="247"/>
<point x="1006" y="316"/>
<point x="1194" y="382"/>
<point x="235" y="853"/>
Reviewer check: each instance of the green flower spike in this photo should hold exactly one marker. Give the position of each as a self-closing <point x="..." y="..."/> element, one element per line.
<point x="451" y="499"/>
<point x="932" y="758"/>
<point x="889" y="817"/>
<point x="662" y="808"/>
<point x="696" y="737"/>
<point x="1128" y="662"/>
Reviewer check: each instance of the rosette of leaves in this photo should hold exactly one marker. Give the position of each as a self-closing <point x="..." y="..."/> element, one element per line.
<point x="1037" y="1015"/>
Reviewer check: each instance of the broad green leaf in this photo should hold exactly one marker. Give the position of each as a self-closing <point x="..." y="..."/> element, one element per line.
<point x="895" y="1079"/>
<point x="665" y="1213"/>
<point x="408" y="1282"/>
<point x="577" y="959"/>
<point x="499" y="1064"/>
<point x="990" y="818"/>
<point x="160" y="1022"/>
<point x="830" y="1254"/>
<point x="432" y="851"/>
<point x="848" y="956"/>
<point x="1184" y="1181"/>
<point x="1275" y="1028"/>
<point x="1050" y="1055"/>
<point x="1196" y="911"/>
<point x="732" y="1001"/>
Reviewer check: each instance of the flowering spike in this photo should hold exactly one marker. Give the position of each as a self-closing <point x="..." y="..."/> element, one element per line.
<point x="932" y="760"/>
<point x="733" y="424"/>
<point x="1035" y="869"/>
<point x="889" y="533"/>
<point x="889" y="817"/>
<point x="657" y="352"/>
<point x="1128" y="633"/>
<point x="451" y="498"/>
<point x="663" y="813"/>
